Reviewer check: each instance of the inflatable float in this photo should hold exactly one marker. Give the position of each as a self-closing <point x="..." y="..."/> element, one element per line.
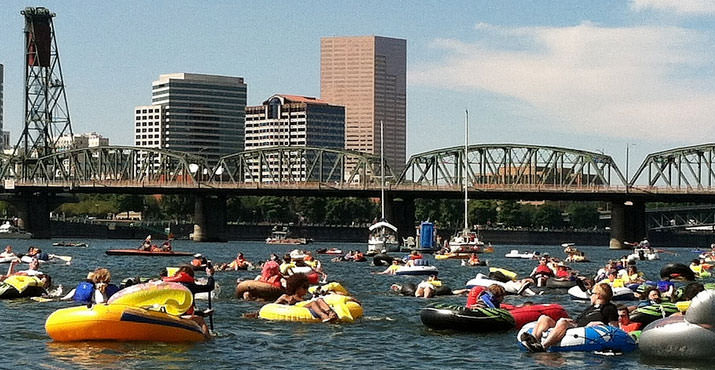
<point x="587" y="339"/>
<point x="382" y="259"/>
<point x="460" y="318"/>
<point x="452" y="256"/>
<point x="409" y="289"/>
<point x="20" y="286"/>
<point x="516" y="254"/>
<point x="619" y="294"/>
<point x="555" y="283"/>
<point x="677" y="271"/>
<point x="259" y="290"/>
<point x="142" y="312"/>
<point x="647" y="314"/>
<point x="417" y="270"/>
<point x="118" y="322"/>
<point x="526" y="314"/>
<point x="347" y="309"/>
<point x="683" y="337"/>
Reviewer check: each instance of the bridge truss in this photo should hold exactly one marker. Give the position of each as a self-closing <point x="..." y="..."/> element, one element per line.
<point x="685" y="169"/>
<point x="107" y="166"/>
<point x="282" y="165"/>
<point x="520" y="167"/>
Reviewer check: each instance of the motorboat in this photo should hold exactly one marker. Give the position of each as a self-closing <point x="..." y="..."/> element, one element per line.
<point x="643" y="254"/>
<point x="283" y="237"/>
<point x="525" y="255"/>
<point x="383" y="238"/>
<point x="10" y="231"/>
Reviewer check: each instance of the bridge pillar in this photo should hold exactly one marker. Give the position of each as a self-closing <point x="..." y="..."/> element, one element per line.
<point x="33" y="211"/>
<point x="401" y="213"/>
<point x="209" y="218"/>
<point x="627" y="223"/>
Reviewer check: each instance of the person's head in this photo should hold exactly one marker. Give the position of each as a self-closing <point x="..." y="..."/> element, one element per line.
<point x="297" y="284"/>
<point x="543" y="260"/>
<point x="286" y="258"/>
<point x="102" y="275"/>
<point x="497" y="291"/>
<point x="432" y="277"/>
<point x="188" y="270"/>
<point x="34" y="264"/>
<point x="696" y="262"/>
<point x="623" y="314"/>
<point x="653" y="295"/>
<point x="691" y="290"/>
<point x="395" y="261"/>
<point x="612" y="275"/>
<point x="8" y="248"/>
<point x="602" y="292"/>
<point x="632" y="269"/>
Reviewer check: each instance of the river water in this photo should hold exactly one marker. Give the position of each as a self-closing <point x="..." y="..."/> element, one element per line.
<point x="389" y="336"/>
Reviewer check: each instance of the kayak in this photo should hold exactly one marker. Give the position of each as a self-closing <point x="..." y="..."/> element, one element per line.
<point x="136" y="252"/>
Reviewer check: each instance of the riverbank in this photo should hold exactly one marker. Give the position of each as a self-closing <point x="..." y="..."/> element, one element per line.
<point x="351" y="234"/>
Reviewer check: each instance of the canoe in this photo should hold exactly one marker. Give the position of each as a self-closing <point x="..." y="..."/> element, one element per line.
<point x="136" y="252"/>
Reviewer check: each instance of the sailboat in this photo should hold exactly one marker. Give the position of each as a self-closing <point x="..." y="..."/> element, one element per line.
<point x="466" y="241"/>
<point x="383" y="235"/>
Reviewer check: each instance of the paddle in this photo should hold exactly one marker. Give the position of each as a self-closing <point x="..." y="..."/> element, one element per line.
<point x="211" y="316"/>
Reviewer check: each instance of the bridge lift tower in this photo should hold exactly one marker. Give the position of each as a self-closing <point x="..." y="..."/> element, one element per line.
<point x="47" y="115"/>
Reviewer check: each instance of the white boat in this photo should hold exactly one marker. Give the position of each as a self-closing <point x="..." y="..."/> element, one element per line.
<point x="282" y="237"/>
<point x="466" y="241"/>
<point x="643" y="254"/>
<point x="383" y="235"/>
<point x="383" y="238"/>
<point x="516" y="254"/>
<point x="9" y="231"/>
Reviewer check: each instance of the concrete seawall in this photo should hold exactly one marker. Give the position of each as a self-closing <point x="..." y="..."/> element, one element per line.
<point x="346" y="234"/>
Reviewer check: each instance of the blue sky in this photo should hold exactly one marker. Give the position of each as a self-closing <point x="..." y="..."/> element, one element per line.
<point x="590" y="75"/>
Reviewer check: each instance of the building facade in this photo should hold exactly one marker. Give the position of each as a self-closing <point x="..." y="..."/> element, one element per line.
<point x="76" y="141"/>
<point x="292" y="120"/>
<point x="194" y="113"/>
<point x="368" y="76"/>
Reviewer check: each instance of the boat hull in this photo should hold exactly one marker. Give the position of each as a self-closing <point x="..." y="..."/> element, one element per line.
<point x="136" y="252"/>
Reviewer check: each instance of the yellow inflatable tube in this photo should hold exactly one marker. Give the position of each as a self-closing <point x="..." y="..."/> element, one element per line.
<point x="347" y="309"/>
<point x="172" y="298"/>
<point x="117" y="322"/>
<point x="507" y="273"/>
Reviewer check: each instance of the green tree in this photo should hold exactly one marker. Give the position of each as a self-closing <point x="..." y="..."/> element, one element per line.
<point x="548" y="216"/>
<point x="583" y="215"/>
<point x="509" y="213"/>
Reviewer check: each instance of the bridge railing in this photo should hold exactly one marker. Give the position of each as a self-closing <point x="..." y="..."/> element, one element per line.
<point x="683" y="169"/>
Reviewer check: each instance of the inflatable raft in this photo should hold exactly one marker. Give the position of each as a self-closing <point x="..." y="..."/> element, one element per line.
<point x="687" y="337"/>
<point x="347" y="309"/>
<point x="647" y="314"/>
<point x="19" y="286"/>
<point x="587" y="339"/>
<point x="118" y="322"/>
<point x="136" y="252"/>
<point x="460" y="318"/>
<point x="172" y="298"/>
<point x="677" y="271"/>
<point x="526" y="314"/>
<point x="619" y="294"/>
<point x="259" y="290"/>
<point x="417" y="270"/>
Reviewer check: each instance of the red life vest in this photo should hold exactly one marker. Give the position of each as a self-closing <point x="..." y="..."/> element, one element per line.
<point x="473" y="295"/>
<point x="181" y="277"/>
<point x="543" y="269"/>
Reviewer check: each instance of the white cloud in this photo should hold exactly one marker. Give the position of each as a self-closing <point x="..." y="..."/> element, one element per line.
<point x="683" y="7"/>
<point x="622" y="82"/>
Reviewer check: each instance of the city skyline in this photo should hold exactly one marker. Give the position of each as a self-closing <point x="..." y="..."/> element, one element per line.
<point x="577" y="75"/>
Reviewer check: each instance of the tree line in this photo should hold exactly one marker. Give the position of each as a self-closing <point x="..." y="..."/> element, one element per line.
<point x="341" y="211"/>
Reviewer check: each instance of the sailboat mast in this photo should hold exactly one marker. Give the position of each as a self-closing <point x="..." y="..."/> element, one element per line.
<point x="382" y="171"/>
<point x="466" y="166"/>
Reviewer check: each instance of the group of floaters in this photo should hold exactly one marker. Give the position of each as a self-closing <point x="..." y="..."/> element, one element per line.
<point x="145" y="311"/>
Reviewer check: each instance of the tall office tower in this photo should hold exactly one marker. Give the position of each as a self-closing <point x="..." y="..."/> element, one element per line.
<point x="367" y="75"/>
<point x="5" y="138"/>
<point x="199" y="114"/>
<point x="292" y="120"/>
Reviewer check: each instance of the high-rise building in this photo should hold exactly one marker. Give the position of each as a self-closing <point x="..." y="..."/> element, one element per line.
<point x="5" y="135"/>
<point x="194" y="113"/>
<point x="292" y="120"/>
<point x="367" y="75"/>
